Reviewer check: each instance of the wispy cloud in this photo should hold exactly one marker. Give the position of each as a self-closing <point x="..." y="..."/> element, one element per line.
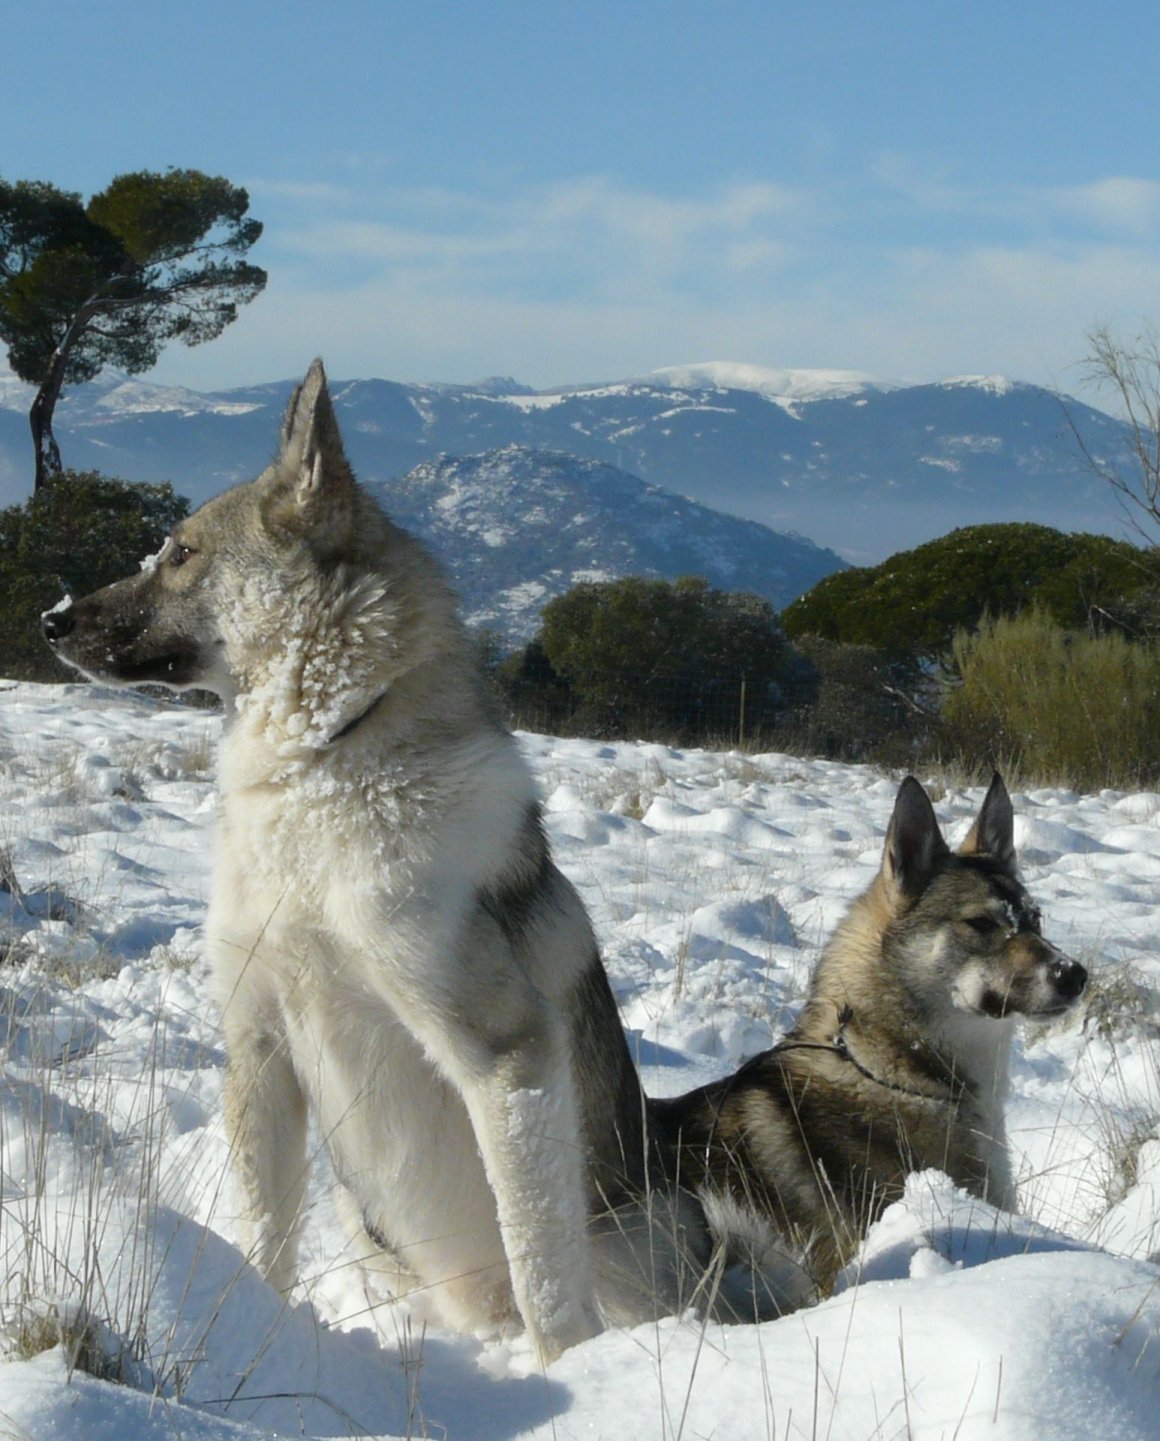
<point x="646" y="229"/>
<point x="1120" y="204"/>
<point x="1123" y="205"/>
<point x="309" y="192"/>
<point x="589" y="278"/>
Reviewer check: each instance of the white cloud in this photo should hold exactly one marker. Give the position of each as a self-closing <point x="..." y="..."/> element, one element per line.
<point x="589" y="279"/>
<point x="1117" y="204"/>
<point x="311" y="192"/>
<point x="539" y="221"/>
<point x="1120" y="203"/>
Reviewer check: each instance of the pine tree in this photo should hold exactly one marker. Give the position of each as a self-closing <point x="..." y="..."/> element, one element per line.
<point x="152" y="258"/>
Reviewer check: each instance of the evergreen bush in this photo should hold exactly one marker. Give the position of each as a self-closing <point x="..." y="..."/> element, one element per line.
<point x="670" y="660"/>
<point x="76" y="534"/>
<point x="913" y="603"/>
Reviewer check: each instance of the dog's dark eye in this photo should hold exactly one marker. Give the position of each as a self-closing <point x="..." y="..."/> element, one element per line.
<point x="983" y="925"/>
<point x="179" y="554"/>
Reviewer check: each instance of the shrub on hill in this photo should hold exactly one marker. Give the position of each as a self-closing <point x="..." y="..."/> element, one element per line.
<point x="78" y="533"/>
<point x="852" y="703"/>
<point x="1058" y="706"/>
<point x="672" y="659"/>
<point x="913" y="603"/>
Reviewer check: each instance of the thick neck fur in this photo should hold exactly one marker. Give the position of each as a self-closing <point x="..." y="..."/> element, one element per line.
<point x="868" y="987"/>
<point x="345" y="637"/>
<point x="910" y="1048"/>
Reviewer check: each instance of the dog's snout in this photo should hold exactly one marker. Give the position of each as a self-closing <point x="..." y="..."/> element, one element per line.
<point x="1068" y="977"/>
<point x="56" y="624"/>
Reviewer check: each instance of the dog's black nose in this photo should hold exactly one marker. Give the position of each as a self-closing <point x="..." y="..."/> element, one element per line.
<point x="56" y="624"/>
<point x="1068" y="977"/>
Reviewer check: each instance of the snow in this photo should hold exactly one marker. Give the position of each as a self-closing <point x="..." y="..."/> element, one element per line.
<point x="712" y="879"/>
<point x="546" y="401"/>
<point x="781" y="385"/>
<point x="518" y="524"/>
<point x="992" y="384"/>
<point x="113" y="395"/>
<point x="788" y="387"/>
<point x="976" y="444"/>
<point x="136" y="397"/>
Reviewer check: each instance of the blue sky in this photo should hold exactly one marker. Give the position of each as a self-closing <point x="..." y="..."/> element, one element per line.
<point x="573" y="192"/>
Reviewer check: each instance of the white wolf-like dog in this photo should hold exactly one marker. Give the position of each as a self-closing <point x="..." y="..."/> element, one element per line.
<point x="392" y="945"/>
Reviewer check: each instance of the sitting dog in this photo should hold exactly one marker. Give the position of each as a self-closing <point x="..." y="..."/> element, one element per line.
<point x="393" y="947"/>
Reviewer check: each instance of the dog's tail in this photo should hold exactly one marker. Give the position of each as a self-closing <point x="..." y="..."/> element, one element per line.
<point x="757" y="1273"/>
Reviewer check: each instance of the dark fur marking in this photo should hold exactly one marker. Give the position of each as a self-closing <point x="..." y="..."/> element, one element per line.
<point x="178" y="666"/>
<point x="358" y="719"/>
<point x="514" y="899"/>
<point x="376" y="1236"/>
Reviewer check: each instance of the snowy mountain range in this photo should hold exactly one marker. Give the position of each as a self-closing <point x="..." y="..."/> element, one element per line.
<point x="864" y="466"/>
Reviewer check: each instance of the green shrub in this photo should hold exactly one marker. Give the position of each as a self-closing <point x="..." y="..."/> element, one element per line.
<point x="670" y="660"/>
<point x="852" y="703"/>
<point x="80" y="532"/>
<point x="1060" y="706"/>
<point x="533" y="695"/>
<point x="912" y="603"/>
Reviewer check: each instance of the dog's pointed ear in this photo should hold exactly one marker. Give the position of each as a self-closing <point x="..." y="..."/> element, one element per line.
<point x="914" y="843"/>
<point x="993" y="833"/>
<point x="310" y="488"/>
<point x="312" y="459"/>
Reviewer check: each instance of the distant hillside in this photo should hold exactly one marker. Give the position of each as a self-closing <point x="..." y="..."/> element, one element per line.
<point x="518" y="526"/>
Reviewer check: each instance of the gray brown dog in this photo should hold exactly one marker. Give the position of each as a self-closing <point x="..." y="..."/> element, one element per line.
<point x="899" y="1060"/>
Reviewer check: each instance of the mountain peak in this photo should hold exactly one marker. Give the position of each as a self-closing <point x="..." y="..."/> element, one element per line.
<point x="775" y="384"/>
<point x="992" y="384"/>
<point x="518" y="524"/>
<point x="855" y="463"/>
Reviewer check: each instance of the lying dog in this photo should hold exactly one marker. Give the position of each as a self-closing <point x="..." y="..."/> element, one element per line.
<point x="898" y="1062"/>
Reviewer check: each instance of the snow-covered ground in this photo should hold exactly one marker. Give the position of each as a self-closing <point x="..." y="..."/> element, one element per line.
<point x="713" y="879"/>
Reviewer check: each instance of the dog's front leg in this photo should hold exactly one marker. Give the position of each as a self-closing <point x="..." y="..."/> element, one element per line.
<point x="265" y="1115"/>
<point x="523" y="1109"/>
<point x="998" y="1184"/>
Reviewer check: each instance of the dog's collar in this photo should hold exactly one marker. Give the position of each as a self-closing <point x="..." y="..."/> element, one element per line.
<point x="354" y="724"/>
<point x="839" y="1045"/>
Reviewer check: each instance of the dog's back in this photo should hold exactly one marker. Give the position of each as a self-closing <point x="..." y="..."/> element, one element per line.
<point x="898" y="1061"/>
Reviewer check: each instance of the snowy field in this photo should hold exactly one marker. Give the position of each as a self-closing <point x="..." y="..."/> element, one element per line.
<point x="713" y="879"/>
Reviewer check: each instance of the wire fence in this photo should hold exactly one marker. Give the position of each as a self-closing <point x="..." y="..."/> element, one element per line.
<point x="727" y="709"/>
<point x="840" y="702"/>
